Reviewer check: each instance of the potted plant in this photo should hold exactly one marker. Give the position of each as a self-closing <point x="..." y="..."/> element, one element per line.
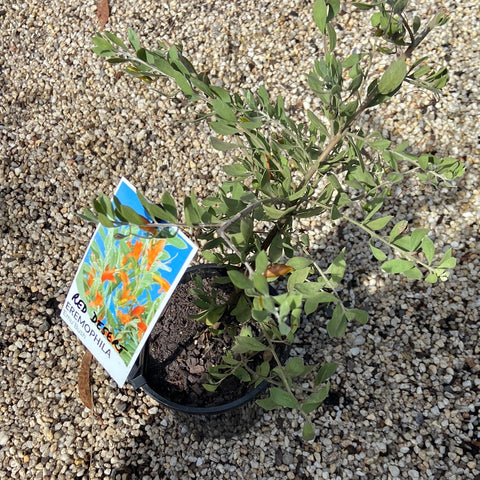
<point x="286" y="171"/>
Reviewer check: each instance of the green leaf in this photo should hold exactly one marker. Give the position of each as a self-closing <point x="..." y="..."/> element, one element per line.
<point x="397" y="265"/>
<point x="297" y="277"/>
<point x="311" y="303"/>
<point x="222" y="128"/>
<point x="299" y="262"/>
<point x="275" y="251"/>
<point x="168" y="211"/>
<point x="247" y="344"/>
<point x="295" y="367"/>
<point x="397" y="230"/>
<point x="447" y="260"/>
<point x="334" y="8"/>
<point x="242" y="311"/>
<point x="320" y="14"/>
<point x="395" y="177"/>
<point x="168" y="204"/>
<point x="361" y="316"/>
<point x="315" y="399"/>
<point x="414" y="274"/>
<point x="264" y="98"/>
<point x="379" y="223"/>
<point x="332" y="37"/>
<point x="263" y="369"/>
<point x="260" y="283"/>
<point x="325" y="373"/>
<point x="242" y="374"/>
<point x="364" y="6"/>
<point x="236" y="170"/>
<point x="337" y="325"/>
<point x="102" y="47"/>
<point x="337" y="268"/>
<point x="192" y="211"/>
<point x="114" y="39"/>
<point x="240" y="280"/>
<point x="104" y="220"/>
<point x="377" y="253"/>
<point x="210" y="387"/>
<point x="259" y="315"/>
<point x="130" y="215"/>
<point x="222" y="146"/>
<point x="273" y="213"/>
<point x="308" y="433"/>
<point x="417" y="237"/>
<point x="393" y="77"/>
<point x="404" y="243"/>
<point x="428" y="249"/>
<point x="317" y="123"/>
<point x="133" y="39"/>
<point x="283" y="398"/>
<point x="261" y="262"/>
<point x="380" y="144"/>
<point x="267" y="403"/>
<point x="224" y="111"/>
<point x="423" y="161"/>
<point x="432" y="278"/>
<point x="88" y="216"/>
<point x="335" y="213"/>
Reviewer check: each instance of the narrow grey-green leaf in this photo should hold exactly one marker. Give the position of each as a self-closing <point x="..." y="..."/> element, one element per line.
<point x="224" y="111"/>
<point x="325" y="373"/>
<point x="337" y="268"/>
<point x="377" y="253"/>
<point x="222" y="128"/>
<point x="428" y="249"/>
<point x="239" y="279"/>
<point x="267" y="403"/>
<point x="242" y="374"/>
<point x="222" y="146"/>
<point x="299" y="262"/>
<point x="210" y="387"/>
<point x="133" y="39"/>
<point x="414" y="274"/>
<point x="247" y="344"/>
<point x="337" y="325"/>
<point x="320" y="14"/>
<point x="283" y="398"/>
<point x="315" y="399"/>
<point x="397" y="230"/>
<point x="308" y="433"/>
<point x="295" y="366"/>
<point x="379" y="223"/>
<point x="393" y="77"/>
<point x="432" y="278"/>
<point x="361" y="316"/>
<point x="236" y="170"/>
<point x="397" y="265"/>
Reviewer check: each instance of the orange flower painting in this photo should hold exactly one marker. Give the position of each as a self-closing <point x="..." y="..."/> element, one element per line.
<point x="108" y="275"/>
<point x="164" y="285"/>
<point x="154" y="251"/>
<point x="97" y="301"/>
<point x="126" y="283"/>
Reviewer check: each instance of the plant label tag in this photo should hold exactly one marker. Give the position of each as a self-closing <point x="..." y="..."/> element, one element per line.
<point x="122" y="285"/>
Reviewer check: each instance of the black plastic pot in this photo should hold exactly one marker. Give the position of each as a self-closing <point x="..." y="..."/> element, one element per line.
<point x="221" y="420"/>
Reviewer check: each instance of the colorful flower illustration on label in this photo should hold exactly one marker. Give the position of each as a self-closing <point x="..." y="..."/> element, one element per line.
<point x="123" y="279"/>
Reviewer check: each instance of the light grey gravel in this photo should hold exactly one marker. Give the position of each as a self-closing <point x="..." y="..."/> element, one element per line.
<point x="406" y="399"/>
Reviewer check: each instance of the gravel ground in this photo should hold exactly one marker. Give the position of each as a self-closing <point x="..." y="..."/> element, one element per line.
<point x="406" y="397"/>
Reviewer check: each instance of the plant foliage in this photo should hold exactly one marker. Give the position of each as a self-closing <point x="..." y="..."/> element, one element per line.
<point x="287" y="170"/>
